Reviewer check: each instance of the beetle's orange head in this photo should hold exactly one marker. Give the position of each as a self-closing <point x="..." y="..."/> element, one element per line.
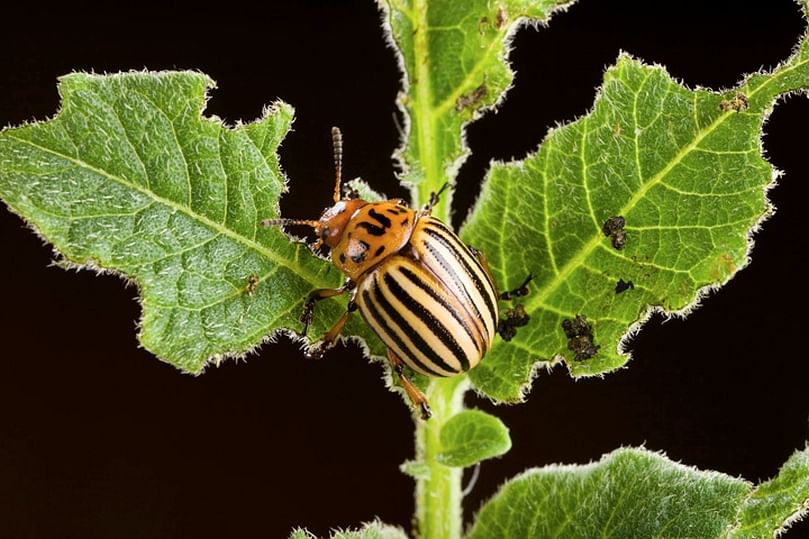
<point x="332" y="223"/>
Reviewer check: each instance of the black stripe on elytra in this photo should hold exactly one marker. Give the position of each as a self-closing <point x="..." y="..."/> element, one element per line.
<point x="449" y="272"/>
<point x="412" y="335"/>
<point x="447" y="239"/>
<point x="432" y="323"/>
<point x="384" y="221"/>
<point x="416" y="280"/>
<point x="370" y="303"/>
<point x="372" y="229"/>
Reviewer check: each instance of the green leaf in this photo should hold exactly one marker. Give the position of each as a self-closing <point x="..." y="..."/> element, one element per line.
<point x="629" y="493"/>
<point x="372" y="530"/>
<point x="775" y="504"/>
<point x="683" y="168"/>
<point x="129" y="177"/>
<point x="638" y="493"/>
<point x="453" y="56"/>
<point x="471" y="436"/>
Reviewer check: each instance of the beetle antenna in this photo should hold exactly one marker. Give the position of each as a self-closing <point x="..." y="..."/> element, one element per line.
<point x="281" y="221"/>
<point x="337" y="143"/>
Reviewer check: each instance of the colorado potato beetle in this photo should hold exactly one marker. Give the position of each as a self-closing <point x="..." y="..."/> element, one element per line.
<point x="429" y="297"/>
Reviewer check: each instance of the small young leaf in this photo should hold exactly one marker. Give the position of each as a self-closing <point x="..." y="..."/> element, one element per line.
<point x="776" y="503"/>
<point x="130" y="177"/>
<point x="372" y="530"/>
<point x="416" y="469"/>
<point x="453" y="55"/>
<point x="629" y="493"/>
<point x="472" y="436"/>
<point x="659" y="186"/>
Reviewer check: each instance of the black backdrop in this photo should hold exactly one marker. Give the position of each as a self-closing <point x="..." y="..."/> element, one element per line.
<point x="99" y="439"/>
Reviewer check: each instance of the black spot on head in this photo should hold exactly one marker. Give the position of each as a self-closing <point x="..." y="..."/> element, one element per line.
<point x="406" y="220"/>
<point x="359" y="257"/>
<point x="393" y="211"/>
<point x="379" y="251"/>
<point x="342" y="258"/>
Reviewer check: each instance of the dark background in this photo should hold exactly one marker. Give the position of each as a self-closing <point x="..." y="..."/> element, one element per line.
<point x="99" y="439"/>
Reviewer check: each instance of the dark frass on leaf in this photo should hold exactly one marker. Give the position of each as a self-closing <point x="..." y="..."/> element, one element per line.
<point x="252" y="284"/>
<point x="579" y="335"/>
<point x="500" y="18"/>
<point x="515" y="318"/>
<point x="738" y="102"/>
<point x="614" y="229"/>
<point x="472" y="98"/>
<point x="623" y="286"/>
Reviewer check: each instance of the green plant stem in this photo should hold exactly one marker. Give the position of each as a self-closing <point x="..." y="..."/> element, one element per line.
<point x="426" y="126"/>
<point x="438" y="494"/>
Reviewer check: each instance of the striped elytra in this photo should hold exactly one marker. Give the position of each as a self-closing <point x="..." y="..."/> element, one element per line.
<point x="433" y="304"/>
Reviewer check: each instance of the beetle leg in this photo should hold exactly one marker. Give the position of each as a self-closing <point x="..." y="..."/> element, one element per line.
<point x="516" y="317"/>
<point x="521" y="290"/>
<point x="416" y="396"/>
<point x="426" y="210"/>
<point x="315" y="296"/>
<point x="317" y="351"/>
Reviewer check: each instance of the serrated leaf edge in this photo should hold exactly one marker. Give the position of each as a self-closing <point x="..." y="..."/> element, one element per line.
<point x="702" y="292"/>
<point x="588" y="468"/>
<point x="62" y="261"/>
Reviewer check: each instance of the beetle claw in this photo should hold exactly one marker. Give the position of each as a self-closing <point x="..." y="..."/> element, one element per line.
<point x="426" y="413"/>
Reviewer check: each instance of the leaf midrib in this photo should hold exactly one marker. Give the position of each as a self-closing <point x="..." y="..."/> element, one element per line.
<point x="213" y="225"/>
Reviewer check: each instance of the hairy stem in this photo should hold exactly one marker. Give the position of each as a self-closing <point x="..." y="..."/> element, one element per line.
<point x="438" y="494"/>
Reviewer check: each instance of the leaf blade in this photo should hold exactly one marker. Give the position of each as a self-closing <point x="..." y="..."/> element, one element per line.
<point x="472" y="436"/>
<point x="687" y="177"/>
<point x="774" y="504"/>
<point x="130" y="177"/>
<point x="629" y="493"/>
